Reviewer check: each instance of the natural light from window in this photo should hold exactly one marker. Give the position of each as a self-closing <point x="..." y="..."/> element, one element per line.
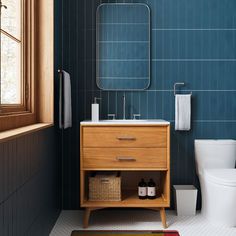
<point x="11" y="47"/>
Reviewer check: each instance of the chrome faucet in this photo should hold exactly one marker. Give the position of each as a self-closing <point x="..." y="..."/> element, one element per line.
<point x="124" y="105"/>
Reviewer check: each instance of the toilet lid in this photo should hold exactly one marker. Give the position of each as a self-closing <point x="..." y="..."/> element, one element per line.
<point x="225" y="177"/>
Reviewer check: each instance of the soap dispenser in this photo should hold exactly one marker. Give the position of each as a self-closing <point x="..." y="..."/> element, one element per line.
<point x="95" y="110"/>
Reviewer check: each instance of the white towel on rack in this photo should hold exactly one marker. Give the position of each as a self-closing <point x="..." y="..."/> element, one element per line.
<point x="65" y="106"/>
<point x="183" y="112"/>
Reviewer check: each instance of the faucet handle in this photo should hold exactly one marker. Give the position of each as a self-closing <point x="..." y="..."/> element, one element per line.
<point x="136" y="115"/>
<point x="112" y="115"/>
<point x="95" y="99"/>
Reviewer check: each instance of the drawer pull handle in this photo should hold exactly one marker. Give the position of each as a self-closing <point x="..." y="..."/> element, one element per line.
<point x="128" y="138"/>
<point x="125" y="159"/>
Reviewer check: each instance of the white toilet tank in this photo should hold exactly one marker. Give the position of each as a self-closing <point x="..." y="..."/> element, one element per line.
<point x="215" y="154"/>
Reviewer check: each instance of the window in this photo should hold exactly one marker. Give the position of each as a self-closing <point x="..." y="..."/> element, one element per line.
<point x="17" y="76"/>
<point x="14" y="79"/>
<point x="27" y="65"/>
<point x="11" y="50"/>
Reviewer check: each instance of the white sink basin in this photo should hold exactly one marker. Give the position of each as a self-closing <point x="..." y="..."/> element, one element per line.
<point x="115" y="122"/>
<point x="124" y="121"/>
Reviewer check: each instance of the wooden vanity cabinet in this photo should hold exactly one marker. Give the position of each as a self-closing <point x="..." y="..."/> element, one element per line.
<point x="127" y="148"/>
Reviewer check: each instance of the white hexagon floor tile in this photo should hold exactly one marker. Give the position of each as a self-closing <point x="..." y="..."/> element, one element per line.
<point x="135" y="219"/>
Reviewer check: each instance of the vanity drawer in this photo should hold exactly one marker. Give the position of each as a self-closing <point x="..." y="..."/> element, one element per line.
<point x="124" y="136"/>
<point x="124" y="158"/>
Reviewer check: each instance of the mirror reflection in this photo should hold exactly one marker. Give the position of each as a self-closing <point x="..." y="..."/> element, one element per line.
<point x="123" y="46"/>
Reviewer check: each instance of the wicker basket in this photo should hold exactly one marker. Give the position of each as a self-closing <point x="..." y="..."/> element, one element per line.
<point x="105" y="187"/>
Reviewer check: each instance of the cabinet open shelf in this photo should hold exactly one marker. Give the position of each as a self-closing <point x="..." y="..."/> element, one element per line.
<point x="129" y="199"/>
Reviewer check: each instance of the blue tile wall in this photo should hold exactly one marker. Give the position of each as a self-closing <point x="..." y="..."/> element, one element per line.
<point x="192" y="41"/>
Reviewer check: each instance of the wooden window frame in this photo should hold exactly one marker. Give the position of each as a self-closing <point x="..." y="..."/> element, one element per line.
<point x="39" y="70"/>
<point x="27" y="15"/>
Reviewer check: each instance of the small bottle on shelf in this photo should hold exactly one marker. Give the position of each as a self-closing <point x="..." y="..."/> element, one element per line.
<point x="142" y="189"/>
<point x="151" y="189"/>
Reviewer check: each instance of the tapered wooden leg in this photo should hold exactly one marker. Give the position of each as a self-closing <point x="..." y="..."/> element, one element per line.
<point x="87" y="213"/>
<point x="163" y="217"/>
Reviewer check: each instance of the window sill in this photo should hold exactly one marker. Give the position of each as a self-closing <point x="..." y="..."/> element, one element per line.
<point x="14" y="133"/>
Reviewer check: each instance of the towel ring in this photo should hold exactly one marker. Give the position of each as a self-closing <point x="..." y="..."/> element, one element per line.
<point x="179" y="84"/>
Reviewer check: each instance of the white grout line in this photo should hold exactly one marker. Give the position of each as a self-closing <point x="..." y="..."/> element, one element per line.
<point x="132" y="23"/>
<point x="170" y="90"/>
<point x="195" y="59"/>
<point x="209" y="121"/>
<point x="127" y="41"/>
<point x="194" y="90"/>
<point x="194" y="29"/>
<point x="183" y="29"/>
<point x="215" y="121"/>
<point x="124" y="78"/>
<point x="120" y="60"/>
<point x="169" y="60"/>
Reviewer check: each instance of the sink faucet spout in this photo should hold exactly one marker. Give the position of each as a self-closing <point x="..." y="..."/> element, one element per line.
<point x="124" y="106"/>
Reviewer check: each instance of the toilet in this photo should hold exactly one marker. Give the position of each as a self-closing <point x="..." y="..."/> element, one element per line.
<point x="215" y="166"/>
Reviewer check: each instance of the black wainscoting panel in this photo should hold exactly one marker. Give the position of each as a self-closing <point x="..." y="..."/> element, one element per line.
<point x="1" y="220"/>
<point x="30" y="184"/>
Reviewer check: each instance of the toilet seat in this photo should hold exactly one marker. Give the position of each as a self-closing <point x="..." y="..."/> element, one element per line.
<point x="225" y="177"/>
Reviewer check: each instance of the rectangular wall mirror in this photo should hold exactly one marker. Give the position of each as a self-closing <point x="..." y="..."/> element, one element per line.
<point x="123" y="46"/>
